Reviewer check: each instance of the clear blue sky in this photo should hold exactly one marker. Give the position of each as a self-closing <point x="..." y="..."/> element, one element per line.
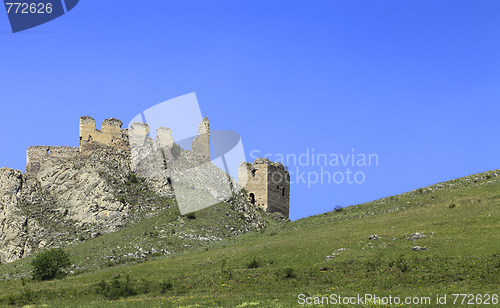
<point x="416" y="82"/>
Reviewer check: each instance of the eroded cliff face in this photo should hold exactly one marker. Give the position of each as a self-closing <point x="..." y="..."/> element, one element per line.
<point x="16" y="191"/>
<point x="84" y="188"/>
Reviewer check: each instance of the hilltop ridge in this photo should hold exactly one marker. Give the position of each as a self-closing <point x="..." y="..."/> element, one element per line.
<point x="116" y="178"/>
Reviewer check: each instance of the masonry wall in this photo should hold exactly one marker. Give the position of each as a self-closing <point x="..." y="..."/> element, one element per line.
<point x="201" y="144"/>
<point x="256" y="183"/>
<point x="149" y="157"/>
<point x="109" y="133"/>
<point x="278" y="190"/>
<point x="268" y="184"/>
<point x="36" y="156"/>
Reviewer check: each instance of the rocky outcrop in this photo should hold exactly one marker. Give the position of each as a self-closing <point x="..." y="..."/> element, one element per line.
<point x="15" y="226"/>
<point x="84" y="188"/>
<point x="52" y="206"/>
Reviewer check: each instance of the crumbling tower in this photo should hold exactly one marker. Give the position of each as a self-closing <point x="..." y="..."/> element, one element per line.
<point x="201" y="143"/>
<point x="109" y="133"/>
<point x="267" y="185"/>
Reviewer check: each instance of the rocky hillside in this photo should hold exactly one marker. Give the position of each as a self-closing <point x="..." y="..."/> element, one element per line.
<point x="98" y="191"/>
<point x="441" y="239"/>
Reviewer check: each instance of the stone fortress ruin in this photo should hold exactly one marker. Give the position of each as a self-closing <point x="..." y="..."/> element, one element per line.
<point x="267" y="183"/>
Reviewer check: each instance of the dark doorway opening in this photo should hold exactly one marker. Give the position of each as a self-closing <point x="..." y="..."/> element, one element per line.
<point x="252" y="199"/>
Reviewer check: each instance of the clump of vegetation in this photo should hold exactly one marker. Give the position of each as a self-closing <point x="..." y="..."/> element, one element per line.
<point x="165" y="286"/>
<point x="226" y="270"/>
<point x="338" y="208"/>
<point x="253" y="263"/>
<point x="24" y="298"/>
<point x="452" y="206"/>
<point x="124" y="287"/>
<point x="50" y="264"/>
<point x="132" y="178"/>
<point x="285" y="273"/>
<point x="191" y="215"/>
<point x="116" y="288"/>
<point x="399" y="263"/>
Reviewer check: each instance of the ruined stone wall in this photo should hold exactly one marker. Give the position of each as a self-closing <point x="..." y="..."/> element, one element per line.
<point x="201" y="144"/>
<point x="110" y="132"/>
<point x="278" y="189"/>
<point x="147" y="157"/>
<point x="164" y="138"/>
<point x="36" y="156"/>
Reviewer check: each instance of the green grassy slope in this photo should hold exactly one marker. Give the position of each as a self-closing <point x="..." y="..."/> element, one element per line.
<point x="165" y="233"/>
<point x="460" y="218"/>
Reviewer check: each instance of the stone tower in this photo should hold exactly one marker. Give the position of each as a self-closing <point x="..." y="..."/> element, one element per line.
<point x="267" y="185"/>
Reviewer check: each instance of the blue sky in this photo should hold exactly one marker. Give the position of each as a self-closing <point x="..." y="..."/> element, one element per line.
<point x="415" y="82"/>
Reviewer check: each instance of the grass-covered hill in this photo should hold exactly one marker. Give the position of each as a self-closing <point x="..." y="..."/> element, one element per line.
<point x="365" y="249"/>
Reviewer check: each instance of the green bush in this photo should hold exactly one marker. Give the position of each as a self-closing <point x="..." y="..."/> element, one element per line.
<point x="453" y="205"/>
<point x="116" y="288"/>
<point x="50" y="264"/>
